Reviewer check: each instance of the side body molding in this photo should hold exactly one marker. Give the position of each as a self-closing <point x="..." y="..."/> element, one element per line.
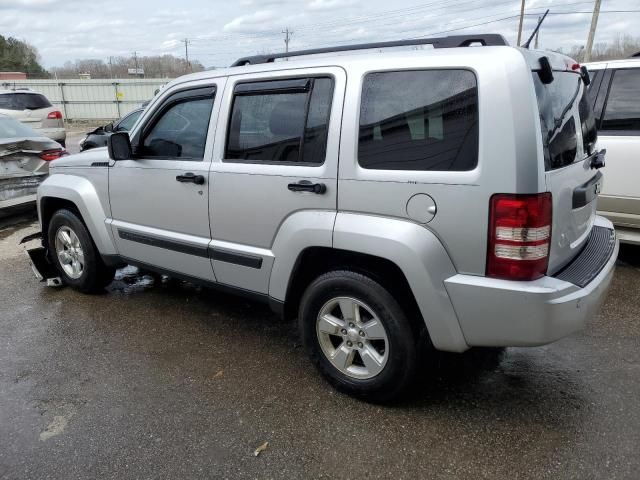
<point x="84" y="195"/>
<point x="421" y="257"/>
<point x="301" y="230"/>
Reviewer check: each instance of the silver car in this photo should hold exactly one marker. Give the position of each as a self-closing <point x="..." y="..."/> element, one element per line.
<point x="394" y="202"/>
<point x="24" y="163"/>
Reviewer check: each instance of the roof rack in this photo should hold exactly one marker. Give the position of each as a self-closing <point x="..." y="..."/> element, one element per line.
<point x="485" y="40"/>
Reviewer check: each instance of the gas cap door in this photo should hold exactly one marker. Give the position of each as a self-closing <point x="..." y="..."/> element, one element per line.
<point x="421" y="208"/>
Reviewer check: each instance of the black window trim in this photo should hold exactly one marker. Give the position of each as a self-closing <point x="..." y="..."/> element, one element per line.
<point x="613" y="133"/>
<point x="292" y="89"/>
<point x="180" y="96"/>
<point x="411" y="69"/>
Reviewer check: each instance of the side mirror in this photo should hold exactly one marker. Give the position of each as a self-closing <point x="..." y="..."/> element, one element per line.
<point x="108" y="127"/>
<point x="119" y="146"/>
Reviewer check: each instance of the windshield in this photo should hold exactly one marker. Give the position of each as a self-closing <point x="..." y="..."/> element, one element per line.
<point x="11" y="128"/>
<point x="566" y="119"/>
<point x="128" y="121"/>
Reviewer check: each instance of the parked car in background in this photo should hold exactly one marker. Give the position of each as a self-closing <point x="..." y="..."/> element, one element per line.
<point x="615" y="96"/>
<point x="36" y="111"/>
<point x="24" y="157"/>
<point x="98" y="137"/>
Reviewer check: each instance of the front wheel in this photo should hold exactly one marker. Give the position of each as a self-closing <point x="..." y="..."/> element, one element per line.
<point x="75" y="255"/>
<point x="358" y="336"/>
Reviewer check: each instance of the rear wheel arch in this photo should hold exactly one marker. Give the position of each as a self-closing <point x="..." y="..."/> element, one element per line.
<point x="316" y="261"/>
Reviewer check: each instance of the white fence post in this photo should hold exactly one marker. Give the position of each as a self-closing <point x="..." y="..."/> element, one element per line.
<point x="64" y="103"/>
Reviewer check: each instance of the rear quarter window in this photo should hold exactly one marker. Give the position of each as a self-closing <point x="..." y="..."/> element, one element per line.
<point x="419" y="120"/>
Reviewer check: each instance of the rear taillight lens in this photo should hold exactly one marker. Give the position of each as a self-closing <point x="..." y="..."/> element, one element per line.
<point x="48" y="155"/>
<point x="54" y="115"/>
<point x="519" y="236"/>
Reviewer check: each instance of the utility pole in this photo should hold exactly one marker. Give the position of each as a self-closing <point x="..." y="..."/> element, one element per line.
<point x="287" y="38"/>
<point x="186" y="53"/>
<point x="535" y="42"/>
<point x="592" y="31"/>
<point x="520" y="25"/>
<point x="135" y="60"/>
<point x="111" y="67"/>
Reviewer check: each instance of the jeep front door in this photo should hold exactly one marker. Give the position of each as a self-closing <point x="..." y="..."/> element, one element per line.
<point x="160" y="198"/>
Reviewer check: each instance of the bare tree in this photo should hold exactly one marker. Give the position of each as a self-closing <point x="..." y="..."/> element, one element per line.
<point x="165" y="66"/>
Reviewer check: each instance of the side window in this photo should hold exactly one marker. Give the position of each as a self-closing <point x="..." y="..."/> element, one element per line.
<point x="180" y="132"/>
<point x="419" y="120"/>
<point x="622" y="111"/>
<point x="280" y="121"/>
<point x="127" y="122"/>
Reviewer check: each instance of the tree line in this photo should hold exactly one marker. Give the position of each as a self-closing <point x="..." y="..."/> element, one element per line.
<point x="160" y="66"/>
<point x="19" y="56"/>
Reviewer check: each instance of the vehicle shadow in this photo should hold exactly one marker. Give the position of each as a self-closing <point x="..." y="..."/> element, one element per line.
<point x="629" y="255"/>
<point x="515" y="384"/>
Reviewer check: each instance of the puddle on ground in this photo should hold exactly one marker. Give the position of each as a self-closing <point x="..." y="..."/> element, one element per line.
<point x="132" y="279"/>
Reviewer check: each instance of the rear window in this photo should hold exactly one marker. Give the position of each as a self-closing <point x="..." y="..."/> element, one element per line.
<point x="566" y="119"/>
<point x="419" y="120"/>
<point x="23" y="101"/>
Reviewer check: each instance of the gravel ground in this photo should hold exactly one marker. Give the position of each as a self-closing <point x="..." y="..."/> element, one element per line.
<point x="161" y="379"/>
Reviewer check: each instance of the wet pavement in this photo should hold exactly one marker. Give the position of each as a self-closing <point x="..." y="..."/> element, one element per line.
<point x="157" y="378"/>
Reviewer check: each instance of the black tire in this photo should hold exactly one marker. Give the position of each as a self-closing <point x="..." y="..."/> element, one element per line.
<point x="398" y="372"/>
<point x="95" y="274"/>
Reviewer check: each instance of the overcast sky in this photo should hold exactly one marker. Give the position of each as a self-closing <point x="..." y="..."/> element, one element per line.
<point x="221" y="31"/>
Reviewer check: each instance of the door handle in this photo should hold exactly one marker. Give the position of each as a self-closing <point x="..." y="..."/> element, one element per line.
<point x="190" y="177"/>
<point x="307" y="186"/>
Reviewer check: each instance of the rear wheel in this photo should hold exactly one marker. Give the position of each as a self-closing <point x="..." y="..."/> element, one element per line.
<point x="74" y="254"/>
<point x="358" y="336"/>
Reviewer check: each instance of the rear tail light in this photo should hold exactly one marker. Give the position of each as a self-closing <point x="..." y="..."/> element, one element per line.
<point x="48" y="155"/>
<point x="54" y="115"/>
<point x="519" y="236"/>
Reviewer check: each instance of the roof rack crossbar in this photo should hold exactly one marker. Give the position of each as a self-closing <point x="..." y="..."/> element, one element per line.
<point x="486" y="40"/>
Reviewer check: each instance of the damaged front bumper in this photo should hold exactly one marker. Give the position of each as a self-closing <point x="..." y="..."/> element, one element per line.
<point x="42" y="268"/>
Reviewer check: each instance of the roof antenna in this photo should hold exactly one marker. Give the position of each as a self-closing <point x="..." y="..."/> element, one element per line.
<point x="535" y="30"/>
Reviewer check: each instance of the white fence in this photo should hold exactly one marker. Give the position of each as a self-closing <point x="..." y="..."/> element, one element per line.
<point x="104" y="99"/>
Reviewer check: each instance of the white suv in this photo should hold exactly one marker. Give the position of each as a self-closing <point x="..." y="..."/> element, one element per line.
<point x="392" y="201"/>
<point x="34" y="110"/>
<point x="615" y="97"/>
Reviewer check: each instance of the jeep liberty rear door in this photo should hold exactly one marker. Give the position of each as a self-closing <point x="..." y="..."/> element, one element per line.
<point x="274" y="171"/>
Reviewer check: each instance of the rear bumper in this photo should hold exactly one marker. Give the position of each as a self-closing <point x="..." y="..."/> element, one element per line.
<point x="502" y="313"/>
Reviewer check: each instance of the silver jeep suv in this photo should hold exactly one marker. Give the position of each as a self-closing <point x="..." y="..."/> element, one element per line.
<point x="393" y="201"/>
